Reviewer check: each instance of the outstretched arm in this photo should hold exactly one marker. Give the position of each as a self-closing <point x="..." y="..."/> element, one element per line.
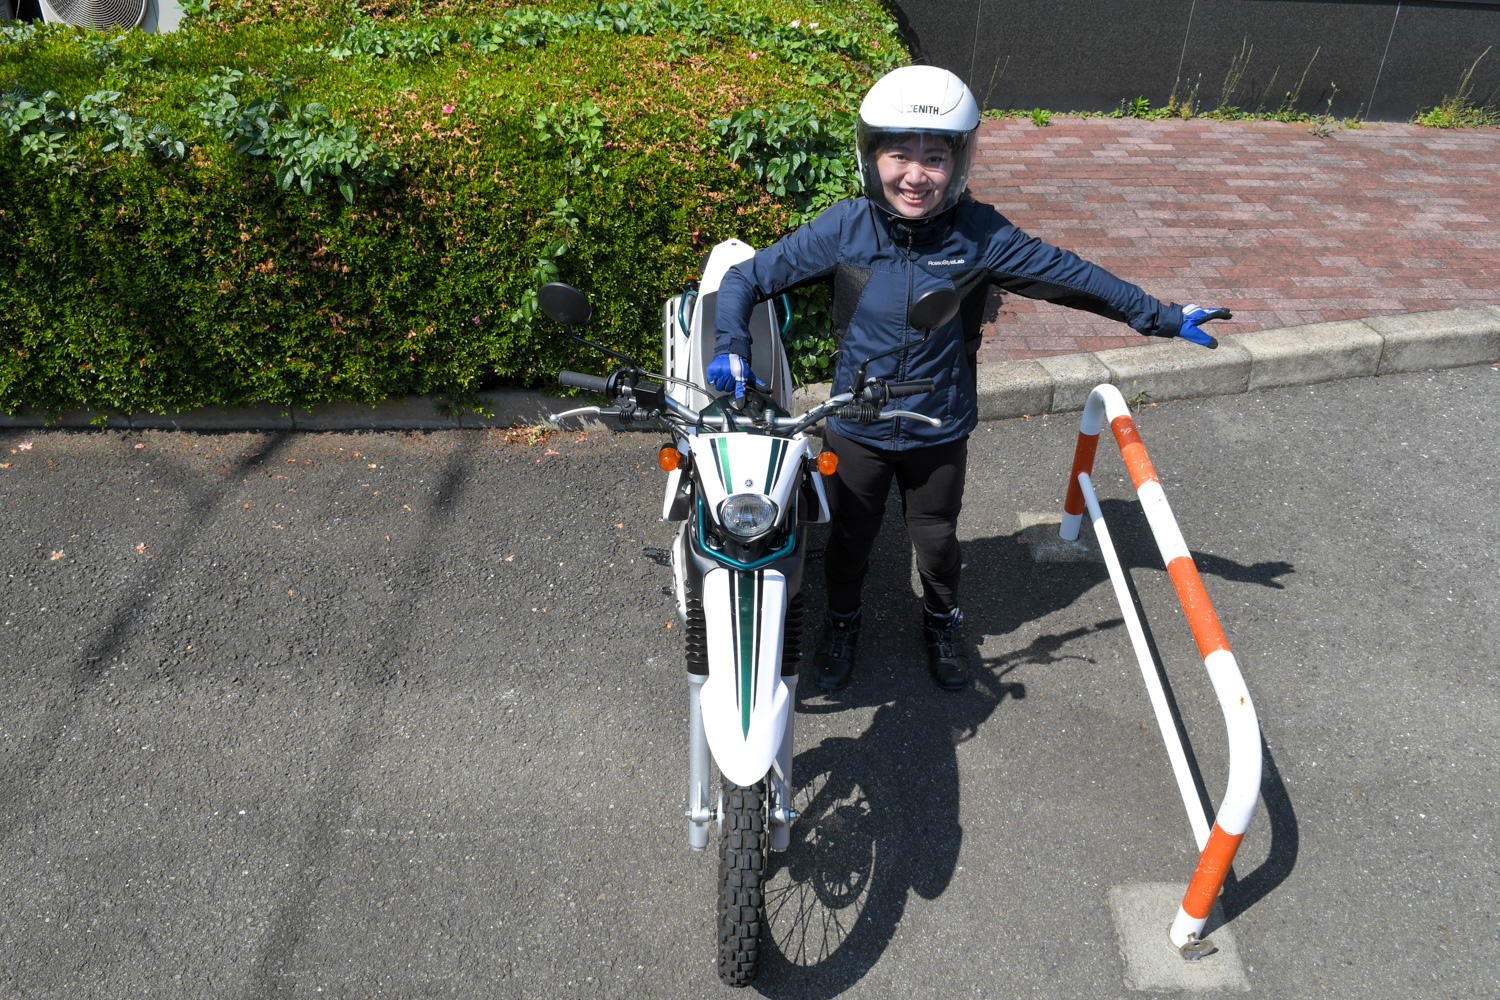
<point x="1028" y="266"/>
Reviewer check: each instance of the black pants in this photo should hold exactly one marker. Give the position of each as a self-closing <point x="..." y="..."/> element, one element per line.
<point x="931" y="481"/>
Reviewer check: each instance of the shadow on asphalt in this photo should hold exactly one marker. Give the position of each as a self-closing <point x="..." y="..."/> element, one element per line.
<point x="1242" y="893"/>
<point x="1238" y="894"/>
<point x="879" y="813"/>
<point x="133" y="605"/>
<point x="333" y="797"/>
<point x="879" y="818"/>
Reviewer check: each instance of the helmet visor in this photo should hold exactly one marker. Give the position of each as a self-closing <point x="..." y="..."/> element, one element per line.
<point x="914" y="175"/>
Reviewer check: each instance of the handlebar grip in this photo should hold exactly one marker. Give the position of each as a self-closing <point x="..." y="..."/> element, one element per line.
<point x="911" y="388"/>
<point x="578" y="380"/>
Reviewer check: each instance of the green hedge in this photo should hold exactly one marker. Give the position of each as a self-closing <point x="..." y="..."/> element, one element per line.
<point x="306" y="204"/>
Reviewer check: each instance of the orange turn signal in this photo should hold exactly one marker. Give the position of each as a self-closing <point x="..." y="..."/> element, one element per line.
<point x="828" y="463"/>
<point x="669" y="458"/>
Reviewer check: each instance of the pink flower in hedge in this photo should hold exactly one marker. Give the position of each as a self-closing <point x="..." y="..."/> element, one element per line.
<point x="474" y="320"/>
<point x="755" y="55"/>
<point x="448" y="109"/>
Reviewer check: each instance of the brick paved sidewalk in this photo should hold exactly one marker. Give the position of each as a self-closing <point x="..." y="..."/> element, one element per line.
<point x="1282" y="226"/>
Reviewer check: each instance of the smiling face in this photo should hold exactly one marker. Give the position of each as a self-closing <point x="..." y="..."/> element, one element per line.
<point x="914" y="173"/>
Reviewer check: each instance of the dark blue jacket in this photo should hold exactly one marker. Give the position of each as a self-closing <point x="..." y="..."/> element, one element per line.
<point x="880" y="265"/>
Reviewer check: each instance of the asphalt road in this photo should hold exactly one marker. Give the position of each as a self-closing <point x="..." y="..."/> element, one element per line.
<point x="402" y="715"/>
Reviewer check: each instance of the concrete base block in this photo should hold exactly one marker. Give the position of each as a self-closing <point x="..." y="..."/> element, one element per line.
<point x="1039" y="532"/>
<point x="1448" y="339"/>
<point x="1318" y="352"/>
<point x="1178" y="370"/>
<point x="1013" y="389"/>
<point x="1143" y="915"/>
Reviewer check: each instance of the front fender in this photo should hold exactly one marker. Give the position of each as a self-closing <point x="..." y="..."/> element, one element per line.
<point x="745" y="702"/>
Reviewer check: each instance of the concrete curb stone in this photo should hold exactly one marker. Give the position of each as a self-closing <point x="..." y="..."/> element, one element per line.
<point x="216" y="418"/>
<point x="1318" y="352"/>
<point x="1177" y="369"/>
<point x="1300" y="355"/>
<point x="1073" y="378"/>
<point x="1448" y="339"/>
<point x="1023" y="387"/>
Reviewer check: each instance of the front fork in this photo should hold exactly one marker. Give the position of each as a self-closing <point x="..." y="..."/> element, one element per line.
<point x="700" y="811"/>
<point x="703" y="807"/>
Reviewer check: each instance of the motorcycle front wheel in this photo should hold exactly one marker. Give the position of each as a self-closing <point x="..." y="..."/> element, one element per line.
<point x="742" y="876"/>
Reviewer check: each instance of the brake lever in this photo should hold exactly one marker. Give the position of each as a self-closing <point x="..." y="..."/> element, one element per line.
<point x="598" y="411"/>
<point x="893" y="414"/>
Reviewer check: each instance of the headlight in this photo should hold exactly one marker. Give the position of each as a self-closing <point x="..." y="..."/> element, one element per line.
<point x="747" y="515"/>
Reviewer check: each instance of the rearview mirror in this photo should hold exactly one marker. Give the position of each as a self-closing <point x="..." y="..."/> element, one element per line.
<point x="933" y="309"/>
<point x="570" y="308"/>
<point x="564" y="304"/>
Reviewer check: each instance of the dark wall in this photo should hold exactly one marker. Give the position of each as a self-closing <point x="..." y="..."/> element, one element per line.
<point x="1381" y="59"/>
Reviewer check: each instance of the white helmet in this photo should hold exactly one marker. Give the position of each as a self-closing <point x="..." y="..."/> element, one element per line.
<point x="917" y="100"/>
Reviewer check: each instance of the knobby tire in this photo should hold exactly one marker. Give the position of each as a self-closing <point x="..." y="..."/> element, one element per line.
<point x="742" y="876"/>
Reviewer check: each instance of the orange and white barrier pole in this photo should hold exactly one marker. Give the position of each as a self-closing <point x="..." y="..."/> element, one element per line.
<point x="1216" y="846"/>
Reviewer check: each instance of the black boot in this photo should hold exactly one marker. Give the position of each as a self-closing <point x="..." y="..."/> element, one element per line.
<point x="835" y="661"/>
<point x="945" y="657"/>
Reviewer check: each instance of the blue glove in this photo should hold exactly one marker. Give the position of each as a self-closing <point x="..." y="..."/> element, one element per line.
<point x="730" y="371"/>
<point x="1193" y="317"/>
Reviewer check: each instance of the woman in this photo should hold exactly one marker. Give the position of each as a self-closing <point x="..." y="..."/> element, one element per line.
<point x="914" y="229"/>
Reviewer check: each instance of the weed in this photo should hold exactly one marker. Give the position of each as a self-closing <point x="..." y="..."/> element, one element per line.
<point x="1041" y="117"/>
<point x="1287" y="111"/>
<point x="199" y="12"/>
<point x="50" y="130"/>
<point x="1184" y="107"/>
<point x="1232" y="77"/>
<point x="797" y="150"/>
<point x="306" y="142"/>
<point x="578" y="129"/>
<point x="1459" y="111"/>
<point x="1322" y="125"/>
<point x="996" y="74"/>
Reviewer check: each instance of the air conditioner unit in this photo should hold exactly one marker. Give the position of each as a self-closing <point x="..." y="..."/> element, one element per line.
<point x="148" y="15"/>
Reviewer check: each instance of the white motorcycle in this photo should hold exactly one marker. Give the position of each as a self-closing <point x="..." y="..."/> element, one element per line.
<point x="744" y="483"/>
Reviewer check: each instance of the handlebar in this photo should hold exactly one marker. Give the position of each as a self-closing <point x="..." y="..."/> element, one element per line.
<point x="877" y="394"/>
<point x="578" y="380"/>
<point x="915" y="387"/>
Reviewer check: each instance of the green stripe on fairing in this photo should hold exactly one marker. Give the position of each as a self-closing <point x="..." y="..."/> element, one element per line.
<point x="778" y="450"/>
<point x="747" y="600"/>
<point x="721" y="452"/>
